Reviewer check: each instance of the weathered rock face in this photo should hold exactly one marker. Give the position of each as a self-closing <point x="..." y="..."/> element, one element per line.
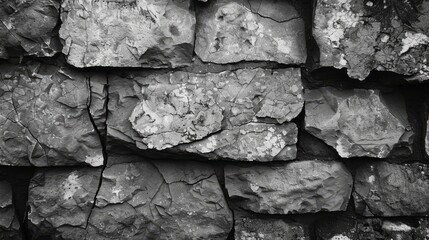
<point x="384" y="189"/>
<point x="269" y="229"/>
<point x="357" y="122"/>
<point x="128" y="33"/>
<point x="296" y="187"/>
<point x="60" y="201"/>
<point x="159" y="200"/>
<point x="366" y="35"/>
<point x="46" y="113"/>
<point x="238" y="115"/>
<point x="9" y="224"/>
<point x="28" y="27"/>
<point x="257" y="30"/>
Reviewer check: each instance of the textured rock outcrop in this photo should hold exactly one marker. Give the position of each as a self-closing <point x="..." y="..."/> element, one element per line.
<point x="269" y="229"/>
<point x="9" y="224"/>
<point x="127" y="33"/>
<point x="46" y="114"/>
<point x="357" y="122"/>
<point x="256" y="30"/>
<point x="296" y="187"/>
<point x="28" y="28"/>
<point x="60" y="201"/>
<point x="213" y="114"/>
<point x="384" y="189"/>
<point x="365" y="35"/>
<point x="159" y="200"/>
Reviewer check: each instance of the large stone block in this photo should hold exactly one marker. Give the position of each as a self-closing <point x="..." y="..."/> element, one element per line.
<point x="384" y="189"/>
<point x="257" y="30"/>
<point x="47" y="114"/>
<point x="28" y="27"/>
<point x="365" y="35"/>
<point x="296" y="187"/>
<point x="131" y="33"/>
<point x="9" y="224"/>
<point x="357" y="122"/>
<point x="239" y="115"/>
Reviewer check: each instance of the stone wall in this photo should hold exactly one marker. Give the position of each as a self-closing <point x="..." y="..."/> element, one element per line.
<point x="216" y="119"/>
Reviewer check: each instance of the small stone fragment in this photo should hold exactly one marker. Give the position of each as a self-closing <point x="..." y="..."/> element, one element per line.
<point x="384" y="189"/>
<point x="257" y="30"/>
<point x="9" y="224"/>
<point x="138" y="33"/>
<point x="357" y="122"/>
<point x="296" y="187"/>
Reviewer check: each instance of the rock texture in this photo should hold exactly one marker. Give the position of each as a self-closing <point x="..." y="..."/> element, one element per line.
<point x="357" y="122"/>
<point x="296" y="187"/>
<point x="60" y="201"/>
<point x="28" y="27"/>
<point x="127" y="33"/>
<point x="46" y="114"/>
<point x="366" y="35"/>
<point x="9" y="224"/>
<point x="159" y="200"/>
<point x="384" y="189"/>
<point x="256" y="30"/>
<point x="243" y="111"/>
<point x="269" y="229"/>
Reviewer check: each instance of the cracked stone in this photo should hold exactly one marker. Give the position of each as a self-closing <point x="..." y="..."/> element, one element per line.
<point x="232" y="31"/>
<point x="269" y="229"/>
<point x="132" y="33"/>
<point x="9" y="224"/>
<point x="27" y="27"/>
<point x="295" y="187"/>
<point x="357" y="122"/>
<point x="202" y="113"/>
<point x="139" y="199"/>
<point x="45" y="117"/>
<point x="363" y="37"/>
<point x="60" y="201"/>
<point x="384" y="189"/>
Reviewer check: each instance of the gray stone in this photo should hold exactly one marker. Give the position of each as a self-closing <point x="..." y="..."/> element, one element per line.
<point x="296" y="187"/>
<point x="269" y="229"/>
<point x="45" y="115"/>
<point x="357" y="122"/>
<point x="256" y="30"/>
<point x="130" y="33"/>
<point x="384" y="189"/>
<point x="27" y="27"/>
<point x="203" y="113"/>
<point x="9" y="224"/>
<point x="366" y="35"/>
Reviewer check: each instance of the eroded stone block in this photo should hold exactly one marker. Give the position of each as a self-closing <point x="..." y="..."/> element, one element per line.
<point x="9" y="224"/>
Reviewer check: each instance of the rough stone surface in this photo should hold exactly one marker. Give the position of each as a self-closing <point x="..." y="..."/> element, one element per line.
<point x="27" y="27"/>
<point x="255" y="30"/>
<point x="127" y="33"/>
<point x="365" y="35"/>
<point x="296" y="187"/>
<point x="384" y="189"/>
<point x="45" y="115"/>
<point x="268" y="229"/>
<point x="9" y="224"/>
<point x="60" y="201"/>
<point x="203" y="113"/>
<point x="357" y="122"/>
<point x="159" y="200"/>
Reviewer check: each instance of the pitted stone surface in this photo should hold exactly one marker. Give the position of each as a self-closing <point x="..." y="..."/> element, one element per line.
<point x="256" y="30"/>
<point x="45" y="116"/>
<point x="296" y="187"/>
<point x="27" y="27"/>
<point x="384" y="189"/>
<point x="365" y="35"/>
<point x="130" y="33"/>
<point x="357" y="122"/>
<point x="9" y="224"/>
<point x="60" y="200"/>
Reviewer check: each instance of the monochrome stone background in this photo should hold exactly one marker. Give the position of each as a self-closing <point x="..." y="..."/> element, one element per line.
<point x="215" y="119"/>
